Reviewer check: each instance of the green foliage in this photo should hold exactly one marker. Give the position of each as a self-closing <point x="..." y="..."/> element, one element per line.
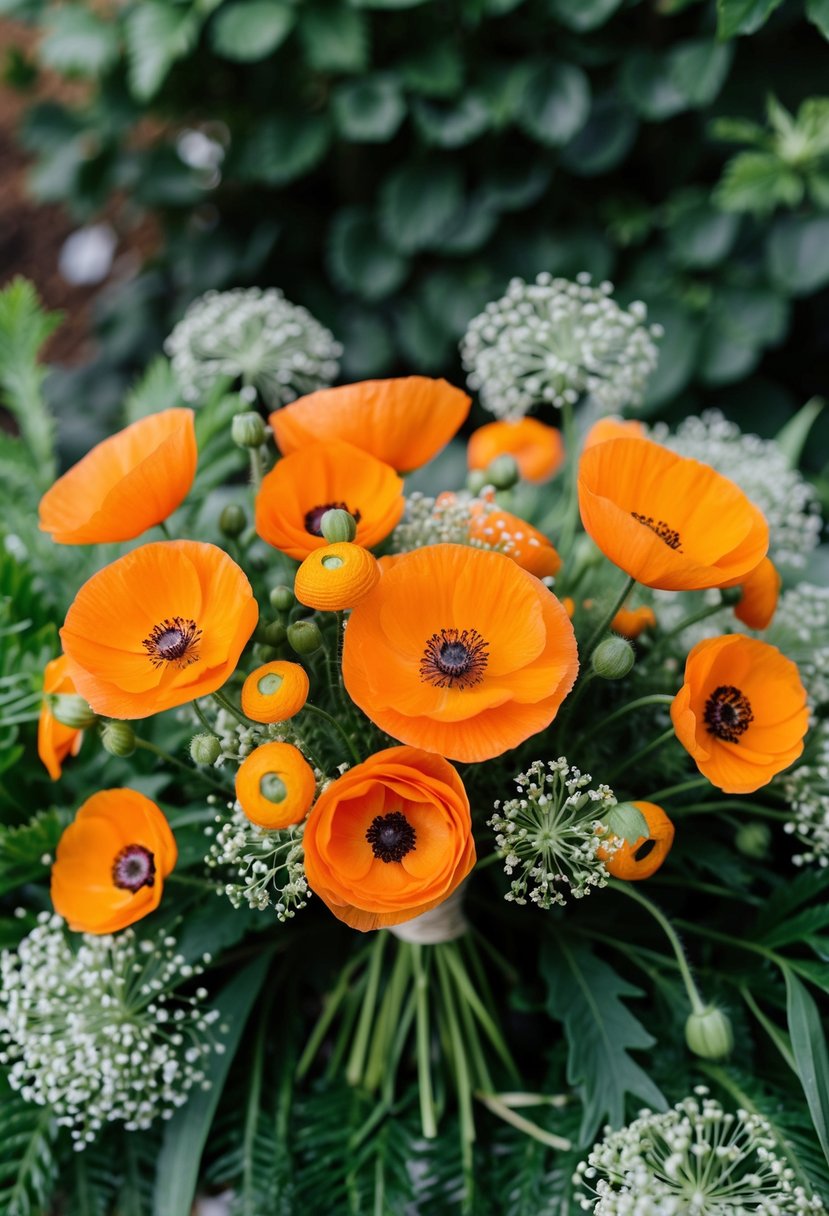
<point x="27" y="1162"/>
<point x="25" y="850"/>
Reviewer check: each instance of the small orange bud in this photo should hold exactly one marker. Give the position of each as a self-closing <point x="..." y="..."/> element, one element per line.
<point x="275" y="785"/>
<point x="336" y="577"/>
<point x="630" y="622"/>
<point x="760" y="590"/>
<point x="275" y="691"/>
<point x="643" y="857"/>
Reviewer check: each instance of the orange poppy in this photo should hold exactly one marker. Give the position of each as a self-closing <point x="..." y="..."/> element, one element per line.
<point x="741" y="712"/>
<point x="508" y="534"/>
<point x="538" y="449"/>
<point x="275" y="785"/>
<point x="298" y="491"/>
<point x="760" y="589"/>
<point x="336" y="577"/>
<point x="630" y="622"/>
<point x="569" y="605"/>
<point x="159" y="627"/>
<point x="128" y="483"/>
<point x="641" y="858"/>
<point x="667" y="521"/>
<point x="459" y="651"/>
<point x="402" y="422"/>
<point x="54" y="740"/>
<point x="613" y="427"/>
<point x="275" y="692"/>
<point x="390" y="839"/>
<point x="111" y="862"/>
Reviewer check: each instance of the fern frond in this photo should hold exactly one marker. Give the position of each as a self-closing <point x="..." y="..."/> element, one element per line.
<point x="24" y="327"/>
<point x="27" y="1162"/>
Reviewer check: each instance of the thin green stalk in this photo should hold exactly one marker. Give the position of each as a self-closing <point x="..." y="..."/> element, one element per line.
<point x="654" y="698"/>
<point x="694" y="783"/>
<point x="145" y="746"/>
<point x="569" y="525"/>
<point x="379" y="1058"/>
<point x="476" y="1005"/>
<point x="401" y="1035"/>
<point x="494" y="1103"/>
<point x="775" y="1034"/>
<point x="653" y="746"/>
<point x="164" y="528"/>
<point x="709" y="610"/>
<point x="321" y="713"/>
<point x="330" y="1006"/>
<point x="202" y="718"/>
<point x="226" y="704"/>
<point x="603" y="626"/>
<point x="697" y="1003"/>
<point x="353" y="1005"/>
<point x="479" y="1067"/>
<point x="733" y="804"/>
<point x="428" y="1121"/>
<point x="461" y="1068"/>
<point x="357" y="1059"/>
<point x="256" y="468"/>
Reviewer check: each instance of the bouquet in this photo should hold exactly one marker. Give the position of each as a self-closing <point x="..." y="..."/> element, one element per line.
<point x="294" y="896"/>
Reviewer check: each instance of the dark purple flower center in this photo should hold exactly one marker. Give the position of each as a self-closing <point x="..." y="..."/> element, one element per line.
<point x="391" y="836"/>
<point x="454" y="658"/>
<point x="134" y="868"/>
<point x="728" y="713"/>
<point x="173" y="641"/>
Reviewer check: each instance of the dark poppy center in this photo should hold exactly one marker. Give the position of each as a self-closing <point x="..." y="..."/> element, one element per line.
<point x="454" y="658"/>
<point x="313" y="518"/>
<point x="173" y="641"/>
<point x="391" y="836"/>
<point x="728" y="713"/>
<point x="664" y="531"/>
<point x="134" y="868"/>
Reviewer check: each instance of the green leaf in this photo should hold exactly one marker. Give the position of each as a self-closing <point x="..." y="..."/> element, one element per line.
<point x="251" y="29"/>
<point x="79" y="42"/>
<point x="678" y="351"/>
<point x="369" y="110"/>
<point x="452" y="126"/>
<point x="808" y="922"/>
<point x="792" y="438"/>
<point x="23" y="848"/>
<point x="28" y="1168"/>
<point x="388" y="3"/>
<point x="627" y="821"/>
<point x="758" y="182"/>
<point x="581" y="15"/>
<point x="157" y="34"/>
<point x="283" y="147"/>
<point x="435" y="70"/>
<point x="156" y="390"/>
<point x="360" y="260"/>
<point x="811" y="1056"/>
<point x="818" y="13"/>
<point x="699" y="236"/>
<point x="699" y="69"/>
<point x="418" y="202"/>
<point x="555" y="103"/>
<point x="797" y="254"/>
<point x="605" y="139"/>
<point x="649" y="84"/>
<point x="24" y="327"/>
<point x="585" y="994"/>
<point x="334" y="37"/>
<point x="743" y="16"/>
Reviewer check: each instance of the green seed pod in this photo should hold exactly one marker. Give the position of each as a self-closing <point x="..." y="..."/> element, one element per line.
<point x="304" y="637"/>
<point x="475" y="481"/>
<point x="337" y="526"/>
<point x="282" y="598"/>
<point x="709" y="1034"/>
<point x="232" y="520"/>
<point x="71" y="710"/>
<point x="205" y="749"/>
<point x="118" y="738"/>
<point x="754" y="839"/>
<point x="502" y="472"/>
<point x="248" y="430"/>
<point x="613" y="658"/>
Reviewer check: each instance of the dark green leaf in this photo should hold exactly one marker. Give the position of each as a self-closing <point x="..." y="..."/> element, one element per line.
<point x="419" y="202"/>
<point x="583" y="15"/>
<point x="334" y="37"/>
<point x="435" y="70"/>
<point x="743" y="16"/>
<point x="452" y="126"/>
<point x="649" y="84"/>
<point x="23" y="849"/>
<point x="818" y="13"/>
<point x="678" y="351"/>
<point x="369" y="110"/>
<point x="699" y="69"/>
<point x="157" y="34"/>
<point x="701" y="237"/>
<point x="758" y="182"/>
<point x="797" y="254"/>
<point x="79" y="41"/>
<point x="555" y="103"/>
<point x="359" y="258"/>
<point x="251" y="29"/>
<point x="792" y="438"/>
<point x="807" y="922"/>
<point x="809" y="1047"/>
<point x="283" y="147"/>
<point x="605" y="139"/>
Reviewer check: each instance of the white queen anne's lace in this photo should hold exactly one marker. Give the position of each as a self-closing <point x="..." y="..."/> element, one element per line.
<point x="267" y="867"/>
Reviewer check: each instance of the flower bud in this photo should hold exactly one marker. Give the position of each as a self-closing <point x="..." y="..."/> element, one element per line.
<point x="475" y="481"/>
<point x="754" y="839"/>
<point x="337" y="525"/>
<point x="282" y="598"/>
<point x="118" y="738"/>
<point x="304" y="637"/>
<point x="232" y="520"/>
<point x="71" y="710"/>
<point x="205" y="749"/>
<point x="613" y="658"/>
<point x="502" y="472"/>
<point x="248" y="430"/>
<point x="274" y="633"/>
<point x="709" y="1034"/>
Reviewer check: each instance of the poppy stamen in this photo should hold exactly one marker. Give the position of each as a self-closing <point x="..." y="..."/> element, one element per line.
<point x="728" y="713"/>
<point x="313" y="518"/>
<point x="658" y="526"/>
<point x="134" y="868"/>
<point x="391" y="836"/>
<point x="172" y="641"/>
<point x="454" y="658"/>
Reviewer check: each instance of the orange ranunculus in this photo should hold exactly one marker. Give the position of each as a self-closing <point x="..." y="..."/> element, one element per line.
<point x="643" y="857"/>
<point x="298" y="491"/>
<point x="630" y="622"/>
<point x="336" y="577"/>
<point x="128" y="483"/>
<point x="275" y="692"/>
<point x="111" y="862"/>
<point x="159" y="627"/>
<point x="667" y="521"/>
<point x="275" y="785"/>
<point x="54" y="740"/>
<point x="759" y="599"/>
<point x="389" y="839"/>
<point x="508" y="534"/>
<point x="402" y="422"/>
<point x="538" y="449"/>
<point x="613" y="427"/>
<point x="741" y="712"/>
<point x="459" y="651"/>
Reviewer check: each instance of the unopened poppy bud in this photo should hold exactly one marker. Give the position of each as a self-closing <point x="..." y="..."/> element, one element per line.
<point x="274" y="633"/>
<point x="709" y="1034"/>
<point x="502" y="472"/>
<point x="248" y="430"/>
<point x="337" y="525"/>
<point x="753" y="839"/>
<point x="71" y="710"/>
<point x="282" y="598"/>
<point x="205" y="749"/>
<point x="304" y="637"/>
<point x="475" y="481"/>
<point x="232" y="520"/>
<point x="118" y="738"/>
<point x="613" y="658"/>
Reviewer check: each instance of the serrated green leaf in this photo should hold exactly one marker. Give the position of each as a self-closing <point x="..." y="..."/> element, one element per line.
<point x="797" y="254"/>
<point x="555" y="103"/>
<point x="743" y="16"/>
<point x="23" y="848"/>
<point x="360" y="260"/>
<point x="156" y="390"/>
<point x="419" y="202"/>
<point x="810" y="1053"/>
<point x="369" y="110"/>
<point x="758" y="182"/>
<point x="28" y="1167"/>
<point x="283" y="147"/>
<point x="334" y="37"/>
<point x="24" y="327"/>
<point x="249" y="30"/>
<point x="79" y="41"/>
<point x="157" y="34"/>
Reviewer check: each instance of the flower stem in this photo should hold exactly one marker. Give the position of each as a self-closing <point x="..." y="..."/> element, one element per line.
<point x="356" y="1061"/>
<point x="461" y="1065"/>
<point x="567" y="534"/>
<point x="163" y="528"/>
<point x="315" y="709"/>
<point x="428" y="1121"/>
<point x="603" y="626"/>
<point x="708" y="610"/>
<point x="494" y="1103"/>
<point x="694" y="783"/>
<point x="146" y="746"/>
<point x="256" y="468"/>
<point x="640" y="755"/>
<point x="332" y="1004"/>
<point x="697" y="1003"/>
<point x="655" y="698"/>
<point x="226" y="704"/>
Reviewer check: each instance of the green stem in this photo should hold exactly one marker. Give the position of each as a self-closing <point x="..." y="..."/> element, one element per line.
<point x="603" y="626"/>
<point x="256" y="469"/>
<point x="697" y="1003"/>
<point x="343" y="733"/>
<point x="494" y="1103"/>
<point x="145" y="746"/>
<point x="694" y="783"/>
<point x="428" y="1121"/>
<point x="357" y="1059"/>
<point x="226" y="704"/>
<point x="476" y="1005"/>
<point x="163" y="527"/>
<point x="331" y="1005"/>
<point x="201" y="717"/>
<point x="461" y="1066"/>
<point x="735" y="804"/>
<point x="654" y="698"/>
<point x="567" y="534"/>
<point x="776" y="1036"/>
<point x="654" y="744"/>
<point x="702" y="615"/>
<point x="379" y="1058"/>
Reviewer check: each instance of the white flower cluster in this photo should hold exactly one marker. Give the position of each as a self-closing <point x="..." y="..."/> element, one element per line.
<point x="91" y="1026"/>
<point x="550" y="835"/>
<point x="274" y="346"/>
<point x="268" y="866"/>
<point x="806" y="790"/>
<point x="801" y="630"/>
<point x="761" y="470"/>
<point x="553" y="341"/>
<point x="694" y="1160"/>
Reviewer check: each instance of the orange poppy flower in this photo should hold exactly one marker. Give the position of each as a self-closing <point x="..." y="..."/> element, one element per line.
<point x="667" y="521"/>
<point x="613" y="427"/>
<point x="336" y="577"/>
<point x="761" y="589"/>
<point x="159" y="627"/>
<point x="641" y="858"/>
<point x="111" y="862"/>
<point x="459" y="651"/>
<point x="569" y="606"/>
<point x="275" y="692"/>
<point x="275" y="785"/>
<point x="741" y="712"/>
<point x="538" y="449"/>
<point x="298" y="491"/>
<point x="128" y="483"/>
<point x="402" y="422"/>
<point x="630" y="622"/>
<point x="54" y="740"/>
<point x="508" y="534"/>
<point x="390" y="839"/>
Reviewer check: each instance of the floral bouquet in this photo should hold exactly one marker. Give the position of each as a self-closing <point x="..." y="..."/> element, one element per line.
<point x="339" y="753"/>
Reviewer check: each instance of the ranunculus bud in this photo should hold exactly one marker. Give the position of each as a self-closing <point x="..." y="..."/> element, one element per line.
<point x="709" y="1034"/>
<point x="304" y="637"/>
<point x="754" y="839"/>
<point x="232" y="520"/>
<point x="118" y="738"/>
<point x="248" y="430"/>
<point x="205" y="749"/>
<point x="282" y="598"/>
<point x="502" y="472"/>
<point x="613" y="658"/>
<point x="476" y="480"/>
<point x="337" y="526"/>
<point x="274" y="633"/>
<point x="71" y="710"/>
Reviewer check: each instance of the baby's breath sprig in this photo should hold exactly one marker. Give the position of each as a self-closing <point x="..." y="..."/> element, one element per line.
<point x="93" y="1027"/>
<point x="801" y="630"/>
<point x="268" y="866"/>
<point x="806" y="790"/>
<point x="550" y="835"/>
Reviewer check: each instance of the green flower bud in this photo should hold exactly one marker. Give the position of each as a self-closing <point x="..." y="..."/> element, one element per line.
<point x="71" y="710"/>
<point x="248" y="430"/>
<point x="118" y="738"/>
<point x="502" y="472"/>
<point x="754" y="839"/>
<point x="613" y="658"/>
<point x="304" y="637"/>
<point x="232" y="520"/>
<point x="274" y="633"/>
<point x="282" y="598"/>
<point x="337" y="525"/>
<point x="475" y="481"/>
<point x="265" y="654"/>
<point x="205" y="749"/>
<point x="709" y="1034"/>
